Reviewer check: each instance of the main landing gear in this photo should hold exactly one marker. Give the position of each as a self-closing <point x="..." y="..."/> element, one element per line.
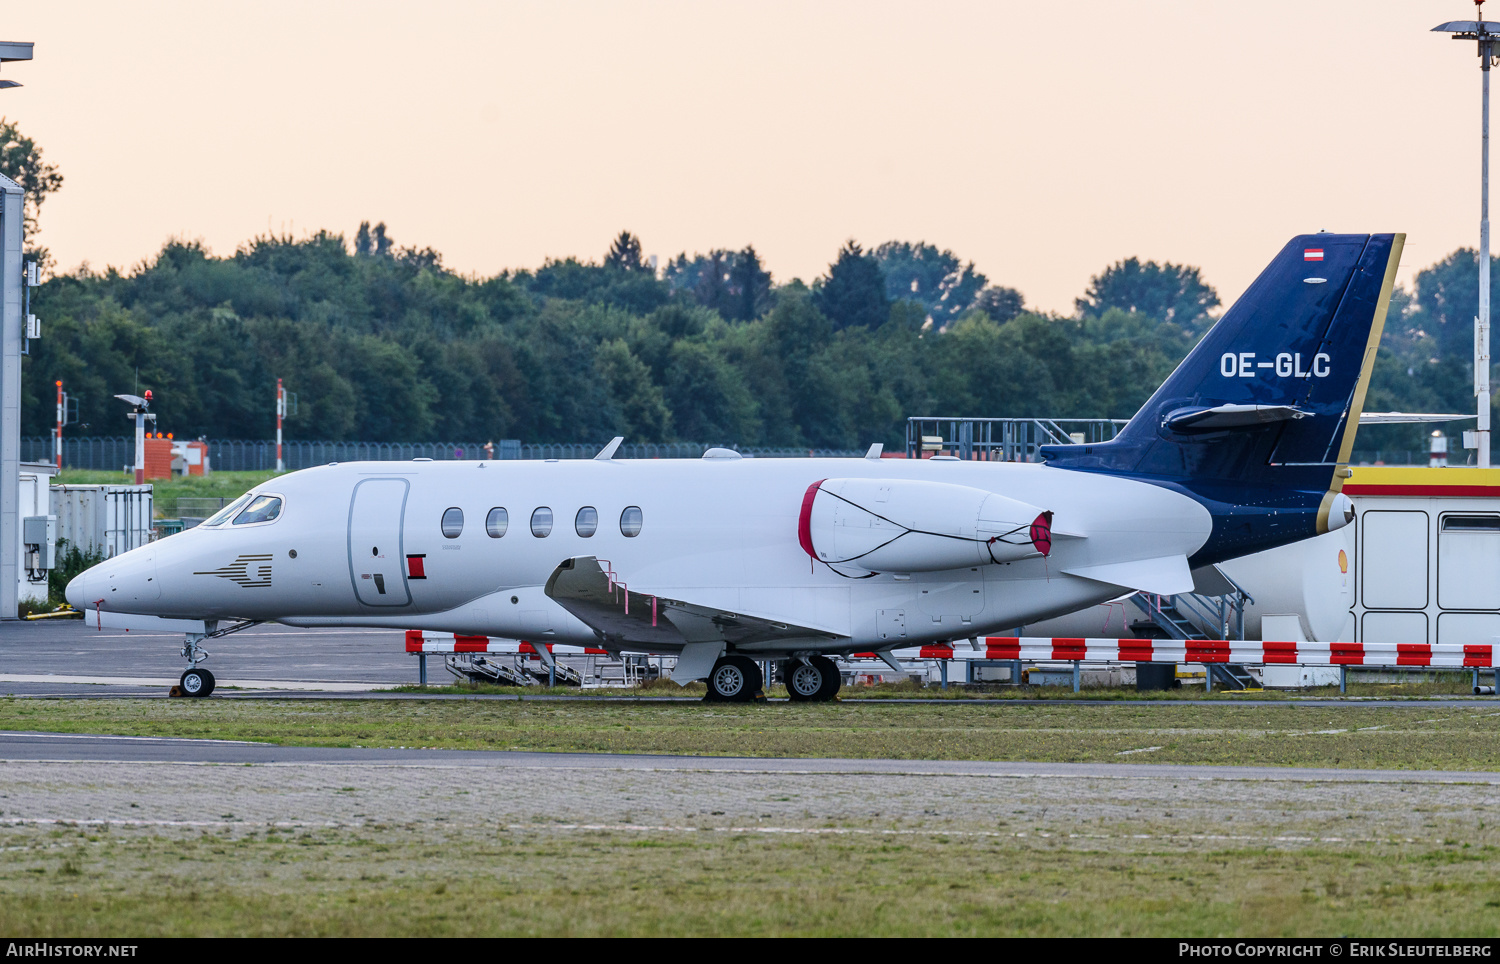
<point x="197" y="681"/>
<point x="737" y="679"/>
<point x="811" y="679"/>
<point x="734" y="679"/>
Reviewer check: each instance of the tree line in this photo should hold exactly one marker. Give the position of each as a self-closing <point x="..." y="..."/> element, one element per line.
<point x="382" y="342"/>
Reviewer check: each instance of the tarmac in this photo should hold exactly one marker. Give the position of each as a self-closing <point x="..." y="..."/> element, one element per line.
<point x="71" y="658"/>
<point x="58" y="657"/>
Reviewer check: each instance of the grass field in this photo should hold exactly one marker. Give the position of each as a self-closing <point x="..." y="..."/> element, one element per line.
<point x="1406" y="737"/>
<point x="166" y="492"/>
<point x="143" y="850"/>
<point x="396" y="882"/>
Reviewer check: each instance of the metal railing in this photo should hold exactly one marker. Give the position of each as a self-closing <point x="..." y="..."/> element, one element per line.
<point x="114" y="454"/>
<point x="1002" y="439"/>
<point x="1215" y="616"/>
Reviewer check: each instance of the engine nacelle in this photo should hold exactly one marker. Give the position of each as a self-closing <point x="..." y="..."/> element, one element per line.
<point x="887" y="525"/>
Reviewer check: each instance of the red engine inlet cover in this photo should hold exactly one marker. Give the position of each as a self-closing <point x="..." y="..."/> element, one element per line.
<point x="804" y="521"/>
<point x="1041" y="533"/>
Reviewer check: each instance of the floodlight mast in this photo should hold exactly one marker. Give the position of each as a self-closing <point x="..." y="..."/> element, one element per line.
<point x="140" y="415"/>
<point x="1486" y="37"/>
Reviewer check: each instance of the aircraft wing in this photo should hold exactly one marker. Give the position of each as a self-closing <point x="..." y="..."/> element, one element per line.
<point x="622" y="615"/>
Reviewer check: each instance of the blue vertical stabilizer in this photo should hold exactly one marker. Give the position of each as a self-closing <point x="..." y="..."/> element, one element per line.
<point x="1258" y="421"/>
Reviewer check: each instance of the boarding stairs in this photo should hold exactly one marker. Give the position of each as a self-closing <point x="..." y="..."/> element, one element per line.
<point x="563" y="675"/>
<point x="1185" y="616"/>
<point x="480" y="668"/>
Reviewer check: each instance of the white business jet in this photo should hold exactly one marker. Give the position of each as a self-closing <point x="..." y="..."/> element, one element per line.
<point x="723" y="561"/>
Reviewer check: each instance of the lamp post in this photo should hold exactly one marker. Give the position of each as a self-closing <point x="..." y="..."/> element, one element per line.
<point x="12" y="213"/>
<point x="1486" y="38"/>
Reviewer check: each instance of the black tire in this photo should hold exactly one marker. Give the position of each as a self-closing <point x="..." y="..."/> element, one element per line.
<point x="197" y="682"/>
<point x="814" y="681"/>
<point x="832" y="679"/>
<point x="734" y="679"/>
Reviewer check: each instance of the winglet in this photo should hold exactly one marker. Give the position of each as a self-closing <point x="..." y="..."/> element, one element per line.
<point x="608" y="452"/>
<point x="875" y="450"/>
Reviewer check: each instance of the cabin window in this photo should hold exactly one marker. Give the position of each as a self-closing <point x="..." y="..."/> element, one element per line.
<point x="630" y="522"/>
<point x="1471" y="523"/>
<point x="229" y="510"/>
<point x="587" y="521"/>
<point x="541" y="522"/>
<point x="496" y="522"/>
<point x="264" y="508"/>
<point x="453" y="523"/>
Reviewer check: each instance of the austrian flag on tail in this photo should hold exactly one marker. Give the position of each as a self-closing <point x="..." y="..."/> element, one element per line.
<point x="1312" y="254"/>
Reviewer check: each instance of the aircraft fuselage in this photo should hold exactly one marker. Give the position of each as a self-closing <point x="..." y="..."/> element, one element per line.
<point x="363" y="544"/>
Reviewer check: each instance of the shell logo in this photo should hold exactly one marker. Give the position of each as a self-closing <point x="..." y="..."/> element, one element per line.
<point x="1343" y="562"/>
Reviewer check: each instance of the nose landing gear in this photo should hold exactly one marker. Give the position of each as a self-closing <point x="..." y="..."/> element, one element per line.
<point x="196" y="681"/>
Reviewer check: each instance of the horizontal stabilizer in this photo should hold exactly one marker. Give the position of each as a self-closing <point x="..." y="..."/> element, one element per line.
<point x="1231" y="416"/>
<point x="1167" y="575"/>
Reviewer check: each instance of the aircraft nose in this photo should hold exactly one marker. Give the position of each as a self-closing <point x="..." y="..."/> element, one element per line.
<point x="77" y="591"/>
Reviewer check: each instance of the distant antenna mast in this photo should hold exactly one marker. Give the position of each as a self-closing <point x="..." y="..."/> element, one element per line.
<point x="286" y="404"/>
<point x="1479" y="31"/>
<point x="67" y="414"/>
<point x="280" y="414"/>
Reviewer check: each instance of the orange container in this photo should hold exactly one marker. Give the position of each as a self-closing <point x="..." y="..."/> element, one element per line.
<point x="158" y="458"/>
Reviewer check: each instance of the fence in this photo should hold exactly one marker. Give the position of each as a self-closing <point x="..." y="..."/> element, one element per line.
<point x="254" y="455"/>
<point x="1002" y="439"/>
<point x="963" y="437"/>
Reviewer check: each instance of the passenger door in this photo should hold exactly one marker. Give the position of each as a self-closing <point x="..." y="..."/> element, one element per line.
<point x="376" y="562"/>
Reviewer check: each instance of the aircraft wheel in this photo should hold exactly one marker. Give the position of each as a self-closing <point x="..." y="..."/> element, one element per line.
<point x="814" y="681"/>
<point x="197" y="682"/>
<point x="735" y="679"/>
<point x="803" y="681"/>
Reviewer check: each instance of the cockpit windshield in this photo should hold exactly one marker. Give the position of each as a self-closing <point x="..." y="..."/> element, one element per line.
<point x="228" y="511"/>
<point x="265" y="508"/>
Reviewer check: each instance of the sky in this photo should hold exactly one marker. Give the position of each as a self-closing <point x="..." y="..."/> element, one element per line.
<point x="1043" y="141"/>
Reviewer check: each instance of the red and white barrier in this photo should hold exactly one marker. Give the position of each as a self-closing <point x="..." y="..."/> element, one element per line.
<point x="1036" y="649"/>
<point x="418" y="641"/>
<point x="1041" y="649"/>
